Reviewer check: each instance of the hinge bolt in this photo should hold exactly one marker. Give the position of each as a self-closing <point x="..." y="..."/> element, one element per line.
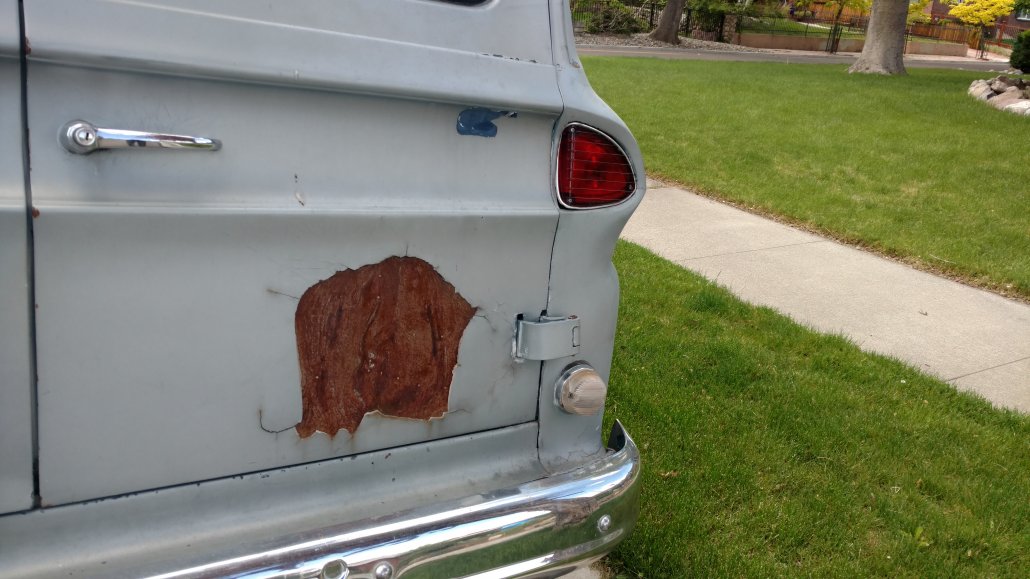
<point x="383" y="571"/>
<point x="604" y="523"/>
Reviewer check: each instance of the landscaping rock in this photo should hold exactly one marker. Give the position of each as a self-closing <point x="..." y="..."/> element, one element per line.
<point x="1010" y="95"/>
<point x="1020" y="108"/>
<point x="1004" y="93"/>
<point x="981" y="90"/>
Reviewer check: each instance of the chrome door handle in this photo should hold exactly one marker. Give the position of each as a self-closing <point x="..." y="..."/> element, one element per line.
<point x="82" y="138"/>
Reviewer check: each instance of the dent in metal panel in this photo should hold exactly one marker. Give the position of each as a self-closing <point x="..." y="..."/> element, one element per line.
<point x="383" y="337"/>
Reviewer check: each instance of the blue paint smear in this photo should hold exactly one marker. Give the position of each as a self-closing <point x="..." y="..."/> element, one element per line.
<point x="478" y="122"/>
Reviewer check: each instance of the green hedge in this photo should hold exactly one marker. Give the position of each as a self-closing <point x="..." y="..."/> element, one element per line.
<point x="613" y="17"/>
<point x="1021" y="52"/>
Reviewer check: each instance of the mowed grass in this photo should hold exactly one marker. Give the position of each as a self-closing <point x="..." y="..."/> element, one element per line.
<point x="909" y="166"/>
<point x="771" y="450"/>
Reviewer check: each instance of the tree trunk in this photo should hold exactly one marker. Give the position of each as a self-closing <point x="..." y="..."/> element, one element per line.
<point x="884" y="40"/>
<point x="669" y="22"/>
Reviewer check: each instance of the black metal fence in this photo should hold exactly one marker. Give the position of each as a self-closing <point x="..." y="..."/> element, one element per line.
<point x="704" y="25"/>
<point x="853" y="27"/>
<point x="809" y="27"/>
<point x="634" y="16"/>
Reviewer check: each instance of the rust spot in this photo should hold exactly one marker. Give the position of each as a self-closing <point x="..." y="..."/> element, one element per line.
<point x="381" y="337"/>
<point x="35" y="213"/>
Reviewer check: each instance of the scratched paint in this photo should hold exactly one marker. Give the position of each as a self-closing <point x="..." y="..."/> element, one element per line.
<point x="383" y="337"/>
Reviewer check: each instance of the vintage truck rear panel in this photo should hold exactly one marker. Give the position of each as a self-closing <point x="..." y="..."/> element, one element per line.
<point x="380" y="214"/>
<point x="168" y="282"/>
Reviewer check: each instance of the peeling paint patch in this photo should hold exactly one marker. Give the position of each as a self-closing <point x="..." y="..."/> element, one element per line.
<point x="383" y="337"/>
<point x="478" y="122"/>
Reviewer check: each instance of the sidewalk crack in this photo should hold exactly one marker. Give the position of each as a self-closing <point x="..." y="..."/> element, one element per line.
<point x="757" y="249"/>
<point x="1023" y="359"/>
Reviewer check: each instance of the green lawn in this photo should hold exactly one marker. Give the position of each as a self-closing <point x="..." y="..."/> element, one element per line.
<point x="770" y="450"/>
<point x="910" y="166"/>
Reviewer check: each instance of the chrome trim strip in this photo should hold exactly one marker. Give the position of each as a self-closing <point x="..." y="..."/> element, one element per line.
<point x="539" y="528"/>
<point x="557" y="193"/>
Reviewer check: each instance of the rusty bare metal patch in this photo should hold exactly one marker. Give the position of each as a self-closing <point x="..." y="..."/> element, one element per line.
<point x="381" y="337"/>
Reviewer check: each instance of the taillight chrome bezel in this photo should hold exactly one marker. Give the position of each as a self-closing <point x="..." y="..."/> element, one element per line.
<point x="609" y="138"/>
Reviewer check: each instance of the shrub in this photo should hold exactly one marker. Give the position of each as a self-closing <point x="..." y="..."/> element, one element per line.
<point x="613" y="17"/>
<point x="1021" y="52"/>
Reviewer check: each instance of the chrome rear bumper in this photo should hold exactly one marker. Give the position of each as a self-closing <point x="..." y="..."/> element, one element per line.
<point x="543" y="528"/>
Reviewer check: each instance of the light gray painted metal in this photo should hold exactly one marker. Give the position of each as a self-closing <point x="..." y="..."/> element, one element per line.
<point x="493" y="55"/>
<point x="16" y="484"/>
<point x="178" y="527"/>
<point x="583" y="279"/>
<point x="167" y="283"/>
<point x="10" y="30"/>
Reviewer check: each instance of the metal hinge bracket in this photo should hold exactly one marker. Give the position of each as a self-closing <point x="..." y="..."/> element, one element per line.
<point x="547" y="339"/>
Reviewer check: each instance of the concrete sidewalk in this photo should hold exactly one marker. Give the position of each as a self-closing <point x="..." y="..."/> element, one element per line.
<point x="974" y="339"/>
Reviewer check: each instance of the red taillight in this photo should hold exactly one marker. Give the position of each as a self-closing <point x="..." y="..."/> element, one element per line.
<point x="592" y="170"/>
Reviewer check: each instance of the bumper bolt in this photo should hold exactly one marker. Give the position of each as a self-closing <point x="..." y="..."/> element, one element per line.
<point x="383" y="571"/>
<point x="335" y="570"/>
<point x="604" y="523"/>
